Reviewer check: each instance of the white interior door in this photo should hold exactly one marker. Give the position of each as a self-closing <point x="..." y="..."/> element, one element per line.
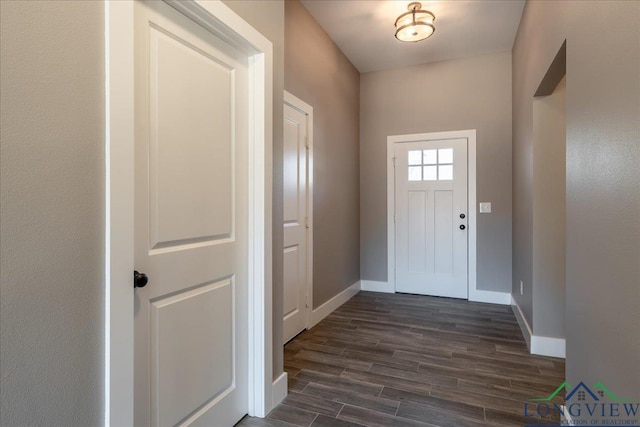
<point x="191" y="202"/>
<point x="295" y="218"/>
<point x="431" y="218"/>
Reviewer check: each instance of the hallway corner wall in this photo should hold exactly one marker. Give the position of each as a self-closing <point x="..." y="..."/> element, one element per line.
<point x="602" y="180"/>
<point x="318" y="73"/>
<point x="549" y="213"/>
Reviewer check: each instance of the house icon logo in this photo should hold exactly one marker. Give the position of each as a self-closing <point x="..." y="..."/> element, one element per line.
<point x="582" y="393"/>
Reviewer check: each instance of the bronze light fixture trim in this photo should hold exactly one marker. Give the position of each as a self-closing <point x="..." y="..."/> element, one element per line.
<point x="415" y="25"/>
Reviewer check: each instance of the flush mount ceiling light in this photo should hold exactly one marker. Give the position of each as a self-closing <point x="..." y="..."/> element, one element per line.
<point x="415" y="25"/>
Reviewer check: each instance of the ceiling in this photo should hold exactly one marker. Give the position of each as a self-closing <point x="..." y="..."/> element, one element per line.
<point x="364" y="31"/>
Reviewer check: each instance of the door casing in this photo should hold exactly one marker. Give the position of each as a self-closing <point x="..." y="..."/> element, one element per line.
<point x="307" y="109"/>
<point x="470" y="135"/>
<point x="218" y="18"/>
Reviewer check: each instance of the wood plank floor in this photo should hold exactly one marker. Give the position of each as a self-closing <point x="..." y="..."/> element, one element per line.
<point x="406" y="360"/>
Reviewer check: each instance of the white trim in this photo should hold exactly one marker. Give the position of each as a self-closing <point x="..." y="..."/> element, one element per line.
<point x="374" y="286"/>
<point x="119" y="213"/>
<point x="307" y="109"/>
<point x="330" y="306"/>
<point x="566" y="417"/>
<point x="542" y="346"/>
<point x="221" y="20"/>
<point x="548" y="346"/>
<point x="391" y="205"/>
<point x="522" y="321"/>
<point x="492" y="297"/>
<point x="279" y="389"/>
<point x="470" y="135"/>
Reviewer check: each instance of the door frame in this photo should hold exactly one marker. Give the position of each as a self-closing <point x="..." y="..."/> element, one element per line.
<point x="218" y="18"/>
<point x="306" y="109"/>
<point x="470" y="136"/>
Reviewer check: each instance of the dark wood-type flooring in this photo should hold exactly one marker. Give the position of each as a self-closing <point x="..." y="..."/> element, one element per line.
<point x="407" y="360"/>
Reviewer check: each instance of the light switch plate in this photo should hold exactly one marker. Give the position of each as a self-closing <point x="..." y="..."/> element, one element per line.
<point x="485" y="207"/>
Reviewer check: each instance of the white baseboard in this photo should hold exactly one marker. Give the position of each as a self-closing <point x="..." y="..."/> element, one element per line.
<point x="492" y="297"/>
<point x="566" y="417"/>
<point x="328" y="307"/>
<point x="522" y="321"/>
<point x="548" y="346"/>
<point x="543" y="346"/>
<point x="373" y="286"/>
<point x="279" y="388"/>
<point x="502" y="298"/>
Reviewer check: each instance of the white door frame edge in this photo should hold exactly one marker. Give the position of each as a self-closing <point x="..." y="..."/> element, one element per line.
<point x="307" y="110"/>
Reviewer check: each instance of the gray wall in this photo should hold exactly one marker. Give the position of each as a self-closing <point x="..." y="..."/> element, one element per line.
<point x="470" y="93"/>
<point x="317" y="72"/>
<point x="51" y="215"/>
<point x="267" y="16"/>
<point x="549" y="212"/>
<point x="602" y="180"/>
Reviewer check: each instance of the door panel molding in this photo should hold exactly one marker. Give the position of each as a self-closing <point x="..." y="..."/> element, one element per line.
<point x="219" y="19"/>
<point x="470" y="136"/>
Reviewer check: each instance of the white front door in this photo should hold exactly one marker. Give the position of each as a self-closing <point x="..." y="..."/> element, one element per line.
<point x="191" y="232"/>
<point x="431" y="218"/>
<point x="295" y="214"/>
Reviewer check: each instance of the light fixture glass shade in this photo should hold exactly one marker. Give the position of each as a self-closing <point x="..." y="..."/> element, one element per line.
<point x="415" y="25"/>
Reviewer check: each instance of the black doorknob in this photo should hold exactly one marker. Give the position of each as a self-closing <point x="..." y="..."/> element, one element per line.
<point x="140" y="280"/>
<point x="463" y="216"/>
<point x="462" y="227"/>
